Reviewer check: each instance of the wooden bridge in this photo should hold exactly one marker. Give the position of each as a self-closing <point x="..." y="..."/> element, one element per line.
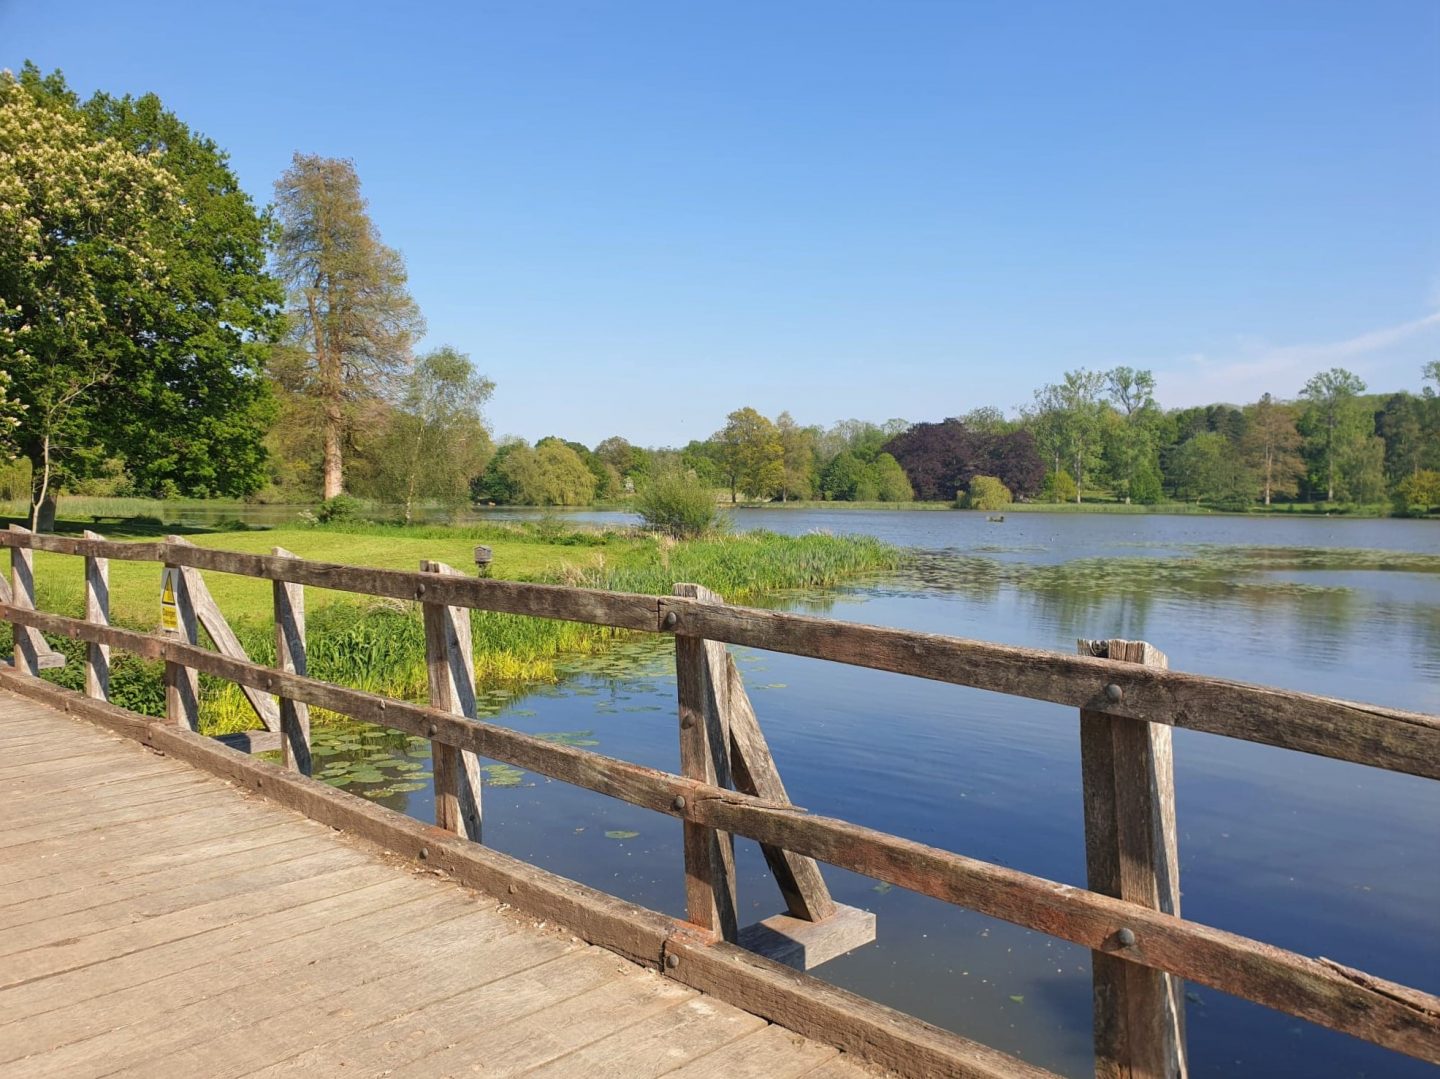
<point x="171" y="904"/>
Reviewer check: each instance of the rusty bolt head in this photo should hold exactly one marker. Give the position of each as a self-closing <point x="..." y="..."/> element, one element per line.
<point x="432" y="730"/>
<point x="424" y="853"/>
<point x="679" y="802"/>
<point x="670" y="619"/>
<point x="1126" y="937"/>
<point x="672" y="961"/>
<point x="1114" y="694"/>
<point x="686" y="723"/>
<point x="419" y="589"/>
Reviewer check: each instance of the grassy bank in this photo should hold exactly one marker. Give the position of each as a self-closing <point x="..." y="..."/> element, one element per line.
<point x="378" y="645"/>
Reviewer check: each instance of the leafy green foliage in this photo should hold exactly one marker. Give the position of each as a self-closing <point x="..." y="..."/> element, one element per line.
<point x="987" y="493"/>
<point x="678" y="505"/>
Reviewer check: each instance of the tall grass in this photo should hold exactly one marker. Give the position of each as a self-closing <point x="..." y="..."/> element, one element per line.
<point x="379" y="645"/>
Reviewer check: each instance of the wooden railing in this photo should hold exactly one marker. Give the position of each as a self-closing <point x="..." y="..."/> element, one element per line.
<point x="1128" y="702"/>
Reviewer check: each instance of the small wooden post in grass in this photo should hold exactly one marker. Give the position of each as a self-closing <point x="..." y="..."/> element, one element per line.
<point x="97" y="610"/>
<point x="703" y="691"/>
<point x="451" y="664"/>
<point x="290" y="656"/>
<point x="182" y="683"/>
<point x="1130" y="853"/>
<point x="28" y="642"/>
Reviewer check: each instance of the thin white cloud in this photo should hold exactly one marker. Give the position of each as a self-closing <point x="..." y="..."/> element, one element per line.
<point x="1282" y="370"/>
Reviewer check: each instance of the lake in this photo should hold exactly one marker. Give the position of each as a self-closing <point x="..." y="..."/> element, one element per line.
<point x="1314" y="855"/>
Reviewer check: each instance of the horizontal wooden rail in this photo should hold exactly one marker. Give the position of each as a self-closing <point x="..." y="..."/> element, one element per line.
<point x="1326" y="993"/>
<point x="1388" y="738"/>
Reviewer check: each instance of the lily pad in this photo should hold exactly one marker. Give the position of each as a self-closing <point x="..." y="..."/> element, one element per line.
<point x="620" y="833"/>
<point x="406" y="788"/>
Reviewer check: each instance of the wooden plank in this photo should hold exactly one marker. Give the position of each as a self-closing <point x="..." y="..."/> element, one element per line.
<point x="97" y="610"/>
<point x="167" y="978"/>
<point x="182" y="683"/>
<point x="1131" y="854"/>
<point x="440" y="1024"/>
<point x="624" y="928"/>
<point x="348" y="987"/>
<point x="1394" y="1016"/>
<point x="240" y="875"/>
<point x="256" y="742"/>
<point x="770" y="1053"/>
<point x="655" y="1045"/>
<point x="290" y="656"/>
<point x="541" y="1037"/>
<point x="1345" y="730"/>
<point x="803" y="944"/>
<point x="329" y="905"/>
<point x="702" y="689"/>
<point x="754" y="770"/>
<point x="213" y="620"/>
<point x="29" y="645"/>
<point x="450" y="664"/>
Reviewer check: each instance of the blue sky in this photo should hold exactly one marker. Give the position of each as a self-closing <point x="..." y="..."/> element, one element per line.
<point x="636" y="217"/>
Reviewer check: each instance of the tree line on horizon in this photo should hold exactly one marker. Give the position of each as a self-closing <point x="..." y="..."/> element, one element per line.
<point x="162" y="336"/>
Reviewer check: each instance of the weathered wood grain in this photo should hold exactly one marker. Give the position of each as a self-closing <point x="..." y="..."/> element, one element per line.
<point x="97" y="610"/>
<point x="702" y="689"/>
<point x="182" y="683"/>
<point x="755" y="772"/>
<point x="28" y="643"/>
<point x="290" y="656"/>
<point x="1128" y="784"/>
<point x="805" y="945"/>
<point x="450" y="663"/>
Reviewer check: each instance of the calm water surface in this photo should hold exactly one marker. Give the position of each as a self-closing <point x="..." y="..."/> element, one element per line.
<point x="1313" y="855"/>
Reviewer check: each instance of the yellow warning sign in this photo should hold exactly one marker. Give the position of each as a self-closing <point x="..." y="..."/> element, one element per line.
<point x="169" y="606"/>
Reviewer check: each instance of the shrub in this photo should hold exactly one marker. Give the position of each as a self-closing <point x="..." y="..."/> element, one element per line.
<point x="987" y="493"/>
<point x="1418" y="491"/>
<point x="1059" y="487"/>
<point x="339" y="508"/>
<point x="678" y="505"/>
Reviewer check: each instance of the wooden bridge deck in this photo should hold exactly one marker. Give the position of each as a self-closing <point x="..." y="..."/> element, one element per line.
<point x="157" y="920"/>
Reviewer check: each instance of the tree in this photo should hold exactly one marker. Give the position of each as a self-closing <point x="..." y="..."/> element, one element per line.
<point x="842" y="477"/>
<point x="1208" y="470"/>
<point x="435" y="443"/>
<point x="9" y="418"/>
<point x="1360" y="470"/>
<point x="797" y="457"/>
<point x="1128" y="432"/>
<point x="134" y="307"/>
<point x="941" y="458"/>
<point x="1334" y="419"/>
<point x="891" y="483"/>
<point x="349" y="302"/>
<point x="1420" y="490"/>
<point x="1066" y="421"/>
<point x="1271" y="448"/>
<point x="551" y="474"/>
<point x="752" y="455"/>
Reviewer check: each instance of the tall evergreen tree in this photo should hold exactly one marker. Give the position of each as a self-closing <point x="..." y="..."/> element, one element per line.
<point x="348" y="298"/>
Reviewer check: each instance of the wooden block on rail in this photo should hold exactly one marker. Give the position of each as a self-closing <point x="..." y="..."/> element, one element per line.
<point x="46" y="661"/>
<point x="804" y="945"/>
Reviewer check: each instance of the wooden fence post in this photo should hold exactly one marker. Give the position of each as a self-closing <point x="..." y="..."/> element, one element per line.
<point x="290" y="656"/>
<point x="182" y="683"/>
<point x="97" y="610"/>
<point x="703" y="690"/>
<point x="1130" y="853"/>
<point x="28" y="642"/>
<point x="450" y="660"/>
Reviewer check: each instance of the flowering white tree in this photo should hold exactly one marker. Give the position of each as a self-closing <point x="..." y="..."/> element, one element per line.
<point x="78" y="270"/>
